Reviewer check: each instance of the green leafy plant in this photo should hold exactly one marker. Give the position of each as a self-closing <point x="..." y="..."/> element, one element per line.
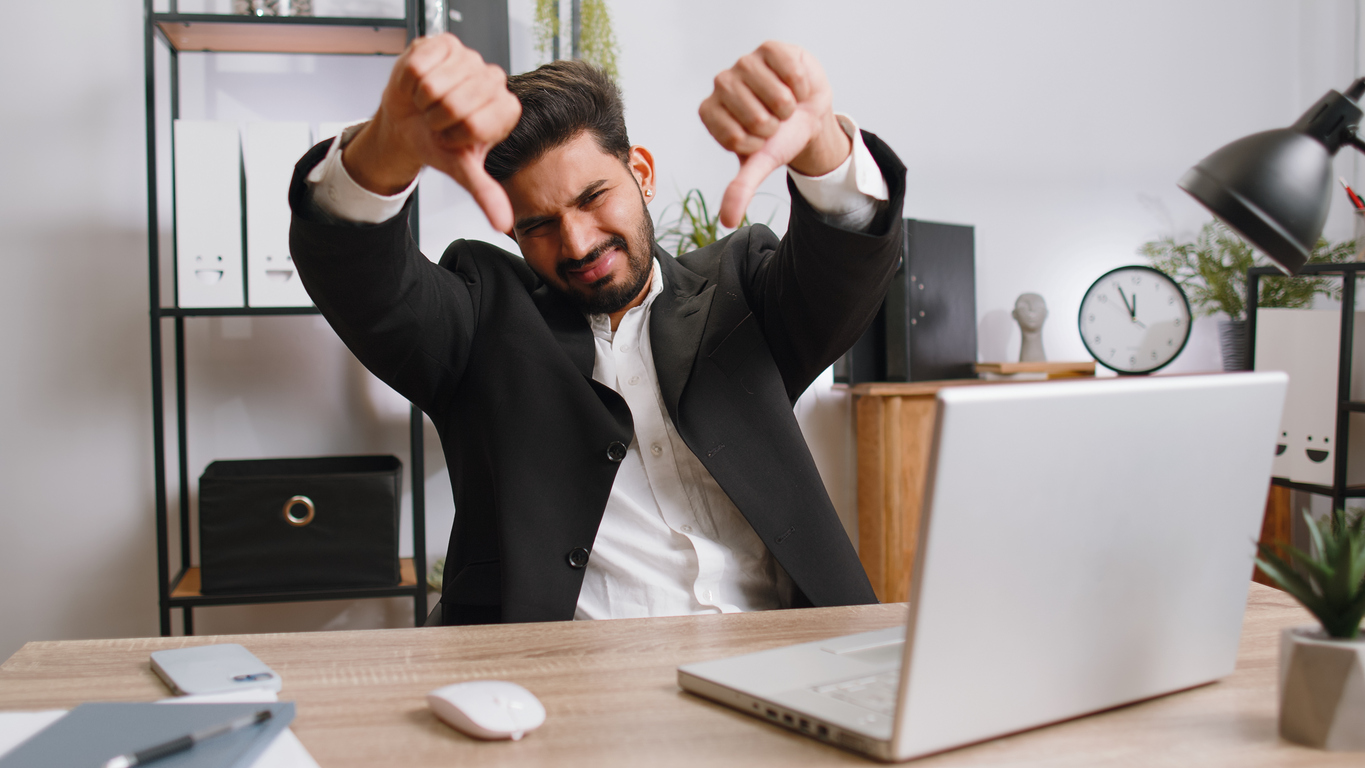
<point x="1330" y="584"/>
<point x="596" y="40"/>
<point x="694" y="227"/>
<point x="1212" y="270"/>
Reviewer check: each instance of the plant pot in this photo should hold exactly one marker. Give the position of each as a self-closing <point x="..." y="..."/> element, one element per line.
<point x="1322" y="690"/>
<point x="1232" y="342"/>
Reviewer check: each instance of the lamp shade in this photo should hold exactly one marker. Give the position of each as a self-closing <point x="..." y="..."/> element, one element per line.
<point x="1273" y="188"/>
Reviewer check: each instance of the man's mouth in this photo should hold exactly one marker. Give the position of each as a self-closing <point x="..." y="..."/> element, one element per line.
<point x="595" y="269"/>
<point x="596" y="265"/>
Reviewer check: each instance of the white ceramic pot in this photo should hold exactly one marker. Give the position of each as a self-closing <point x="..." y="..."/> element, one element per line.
<point x="1322" y="690"/>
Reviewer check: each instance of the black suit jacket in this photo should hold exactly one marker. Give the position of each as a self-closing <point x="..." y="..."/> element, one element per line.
<point x="503" y="366"/>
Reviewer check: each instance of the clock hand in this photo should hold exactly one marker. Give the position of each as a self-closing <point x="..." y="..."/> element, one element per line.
<point x="1124" y="296"/>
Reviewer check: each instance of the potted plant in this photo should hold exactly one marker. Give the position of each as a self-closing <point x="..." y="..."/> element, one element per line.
<point x="1212" y="270"/>
<point x="694" y="227"/>
<point x="1322" y="669"/>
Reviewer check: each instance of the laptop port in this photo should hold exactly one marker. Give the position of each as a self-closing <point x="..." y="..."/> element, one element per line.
<point x="787" y="719"/>
<point x="772" y="713"/>
<point x="822" y="731"/>
<point x="805" y="724"/>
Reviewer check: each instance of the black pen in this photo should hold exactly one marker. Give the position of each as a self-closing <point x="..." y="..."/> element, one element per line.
<point x="183" y="743"/>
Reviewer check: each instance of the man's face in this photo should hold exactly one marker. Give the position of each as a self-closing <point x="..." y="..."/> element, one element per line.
<point x="581" y="222"/>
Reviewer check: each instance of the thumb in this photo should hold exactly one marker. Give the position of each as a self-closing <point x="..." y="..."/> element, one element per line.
<point x="466" y="168"/>
<point x="752" y="171"/>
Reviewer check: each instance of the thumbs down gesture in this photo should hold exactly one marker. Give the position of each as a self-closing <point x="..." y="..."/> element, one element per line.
<point x="773" y="108"/>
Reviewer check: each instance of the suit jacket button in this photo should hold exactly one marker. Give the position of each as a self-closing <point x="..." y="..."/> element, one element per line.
<point x="578" y="557"/>
<point x="616" y="451"/>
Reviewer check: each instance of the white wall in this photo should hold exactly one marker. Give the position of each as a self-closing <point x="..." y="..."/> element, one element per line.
<point x="1057" y="128"/>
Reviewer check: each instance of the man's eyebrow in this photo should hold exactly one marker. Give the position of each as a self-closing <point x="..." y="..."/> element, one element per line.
<point x="531" y="222"/>
<point x="589" y="191"/>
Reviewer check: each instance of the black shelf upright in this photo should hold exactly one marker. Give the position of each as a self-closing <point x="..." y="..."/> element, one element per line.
<point x="228" y="34"/>
<point x="1339" y="491"/>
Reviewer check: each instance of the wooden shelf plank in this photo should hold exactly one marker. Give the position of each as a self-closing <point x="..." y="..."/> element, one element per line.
<point x="189" y="586"/>
<point x="1086" y="368"/>
<point x="237" y="34"/>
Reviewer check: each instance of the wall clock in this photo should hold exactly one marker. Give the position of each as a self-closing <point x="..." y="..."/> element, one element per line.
<point x="1134" y="320"/>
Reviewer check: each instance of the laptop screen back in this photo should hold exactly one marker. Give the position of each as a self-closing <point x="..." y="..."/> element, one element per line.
<point x="1085" y="545"/>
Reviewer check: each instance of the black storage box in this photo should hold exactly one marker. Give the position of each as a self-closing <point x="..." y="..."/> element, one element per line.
<point x="926" y="329"/>
<point x="269" y="525"/>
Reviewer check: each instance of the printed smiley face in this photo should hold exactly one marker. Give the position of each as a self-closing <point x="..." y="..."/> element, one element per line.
<point x="1318" y="450"/>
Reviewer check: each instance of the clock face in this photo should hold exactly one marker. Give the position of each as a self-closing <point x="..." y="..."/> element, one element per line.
<point x="1134" y="320"/>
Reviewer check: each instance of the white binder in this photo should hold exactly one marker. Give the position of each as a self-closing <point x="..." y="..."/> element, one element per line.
<point x="1306" y="343"/>
<point x="208" y="214"/>
<point x="270" y="151"/>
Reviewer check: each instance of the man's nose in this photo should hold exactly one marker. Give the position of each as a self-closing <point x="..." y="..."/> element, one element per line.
<point x="577" y="237"/>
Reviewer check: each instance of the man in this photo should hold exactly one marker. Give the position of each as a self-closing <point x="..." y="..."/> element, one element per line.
<point x="617" y="423"/>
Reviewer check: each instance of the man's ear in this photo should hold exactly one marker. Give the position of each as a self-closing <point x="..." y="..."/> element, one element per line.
<point x="641" y="164"/>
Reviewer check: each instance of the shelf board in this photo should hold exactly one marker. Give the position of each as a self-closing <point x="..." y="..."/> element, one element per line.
<point x="186" y="591"/>
<point x="233" y="311"/>
<point x="282" y="34"/>
<point x="1352" y="491"/>
<point x="1052" y="369"/>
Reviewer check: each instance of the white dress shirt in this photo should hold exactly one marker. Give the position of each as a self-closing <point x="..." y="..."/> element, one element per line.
<point x="670" y="542"/>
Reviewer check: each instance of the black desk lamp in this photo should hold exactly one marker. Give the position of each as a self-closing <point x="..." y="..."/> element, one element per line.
<point x="1274" y="188"/>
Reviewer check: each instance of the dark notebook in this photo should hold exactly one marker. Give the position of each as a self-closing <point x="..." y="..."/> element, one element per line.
<point x="89" y="735"/>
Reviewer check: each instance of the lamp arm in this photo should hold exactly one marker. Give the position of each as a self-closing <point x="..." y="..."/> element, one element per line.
<point x="1355" y="141"/>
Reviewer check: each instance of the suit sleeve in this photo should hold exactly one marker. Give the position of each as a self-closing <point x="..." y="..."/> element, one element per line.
<point x="818" y="289"/>
<point x="409" y="321"/>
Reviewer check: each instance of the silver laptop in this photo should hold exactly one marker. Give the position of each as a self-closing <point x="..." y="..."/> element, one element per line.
<point x="1084" y="545"/>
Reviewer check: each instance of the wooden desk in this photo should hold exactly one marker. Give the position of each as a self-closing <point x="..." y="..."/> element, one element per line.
<point x="611" y="693"/>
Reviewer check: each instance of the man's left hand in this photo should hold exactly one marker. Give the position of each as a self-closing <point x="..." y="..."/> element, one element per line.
<point x="773" y="108"/>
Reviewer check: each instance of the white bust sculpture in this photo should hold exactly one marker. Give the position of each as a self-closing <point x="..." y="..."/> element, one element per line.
<point x="1030" y="311"/>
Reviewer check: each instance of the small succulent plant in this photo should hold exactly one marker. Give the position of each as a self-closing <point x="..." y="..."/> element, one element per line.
<point x="1330" y="584"/>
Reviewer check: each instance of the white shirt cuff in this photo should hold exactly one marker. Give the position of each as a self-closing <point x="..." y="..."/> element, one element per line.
<point x="852" y="188"/>
<point x="338" y="195"/>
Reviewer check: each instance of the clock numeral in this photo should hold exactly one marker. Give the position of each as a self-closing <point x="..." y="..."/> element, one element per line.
<point x="1154" y="354"/>
<point x="1104" y="298"/>
<point x="1170" y="342"/>
<point x="1176" y="322"/>
<point x="1132" y="359"/>
<point x="1170" y="299"/>
<point x="1097" y="339"/>
<point x="1092" y="318"/>
<point x="1137" y="279"/>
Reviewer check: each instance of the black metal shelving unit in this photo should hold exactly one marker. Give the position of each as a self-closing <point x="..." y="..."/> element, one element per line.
<point x="1339" y="491"/>
<point x="236" y="34"/>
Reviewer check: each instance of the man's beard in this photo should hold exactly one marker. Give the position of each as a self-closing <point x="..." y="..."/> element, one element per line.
<point x="603" y="297"/>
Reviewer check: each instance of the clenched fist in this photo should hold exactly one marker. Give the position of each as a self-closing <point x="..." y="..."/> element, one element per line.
<point x="773" y="108"/>
<point x="443" y="107"/>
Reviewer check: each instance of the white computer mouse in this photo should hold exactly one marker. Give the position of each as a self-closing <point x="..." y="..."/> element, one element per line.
<point x="488" y="709"/>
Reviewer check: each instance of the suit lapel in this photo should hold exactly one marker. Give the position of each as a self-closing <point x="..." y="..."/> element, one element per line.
<point x="569" y="326"/>
<point x="675" y="326"/>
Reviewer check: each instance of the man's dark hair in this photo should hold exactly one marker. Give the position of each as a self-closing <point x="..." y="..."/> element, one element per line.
<point x="559" y="101"/>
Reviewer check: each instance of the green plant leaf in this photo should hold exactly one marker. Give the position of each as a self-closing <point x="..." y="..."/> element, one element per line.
<point x="1330" y="582"/>
<point x="1283" y="574"/>
<point x="1212" y="269"/>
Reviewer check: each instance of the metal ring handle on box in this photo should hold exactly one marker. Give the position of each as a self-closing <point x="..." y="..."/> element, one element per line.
<point x="295" y="520"/>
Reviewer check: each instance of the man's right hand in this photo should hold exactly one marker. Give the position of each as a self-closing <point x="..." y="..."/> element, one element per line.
<point x="443" y="107"/>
